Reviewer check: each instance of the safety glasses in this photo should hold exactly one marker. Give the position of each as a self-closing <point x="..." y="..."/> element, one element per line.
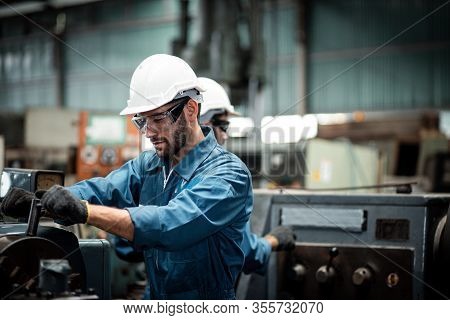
<point x="221" y="124"/>
<point x="142" y="123"/>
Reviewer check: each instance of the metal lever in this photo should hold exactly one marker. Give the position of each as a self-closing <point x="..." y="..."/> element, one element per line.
<point x="33" y="218"/>
<point x="334" y="252"/>
<point x="326" y="273"/>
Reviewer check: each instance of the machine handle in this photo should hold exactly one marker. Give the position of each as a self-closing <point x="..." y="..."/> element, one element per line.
<point x="333" y="253"/>
<point x="33" y="219"/>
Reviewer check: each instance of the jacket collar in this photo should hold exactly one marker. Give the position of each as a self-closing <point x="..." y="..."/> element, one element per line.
<point x="190" y="162"/>
<point x="154" y="163"/>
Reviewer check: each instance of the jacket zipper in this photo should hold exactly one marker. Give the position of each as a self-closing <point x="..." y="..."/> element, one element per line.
<point x="166" y="178"/>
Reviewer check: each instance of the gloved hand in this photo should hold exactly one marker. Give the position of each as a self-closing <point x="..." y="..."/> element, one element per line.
<point x="285" y="238"/>
<point x="17" y="203"/>
<point x="63" y="207"/>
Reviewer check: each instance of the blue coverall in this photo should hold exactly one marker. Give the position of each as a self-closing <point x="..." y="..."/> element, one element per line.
<point x="188" y="222"/>
<point x="257" y="252"/>
<point x="256" y="249"/>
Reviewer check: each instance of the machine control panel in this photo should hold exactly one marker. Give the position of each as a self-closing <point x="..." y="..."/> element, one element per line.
<point x="346" y="272"/>
<point x="29" y="179"/>
<point x="364" y="246"/>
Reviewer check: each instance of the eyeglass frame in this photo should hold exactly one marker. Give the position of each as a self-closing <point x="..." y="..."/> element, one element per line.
<point x="141" y="122"/>
<point x="221" y="124"/>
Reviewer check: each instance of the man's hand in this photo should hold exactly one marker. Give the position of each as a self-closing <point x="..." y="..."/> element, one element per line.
<point x="17" y="203"/>
<point x="281" y="239"/>
<point x="63" y="207"/>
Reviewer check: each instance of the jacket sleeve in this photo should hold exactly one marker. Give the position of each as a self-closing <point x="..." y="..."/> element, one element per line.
<point x="126" y="251"/>
<point x="257" y="252"/>
<point x="195" y="213"/>
<point x="120" y="188"/>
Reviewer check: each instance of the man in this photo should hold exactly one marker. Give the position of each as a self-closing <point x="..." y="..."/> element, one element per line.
<point x="185" y="204"/>
<point x="215" y="111"/>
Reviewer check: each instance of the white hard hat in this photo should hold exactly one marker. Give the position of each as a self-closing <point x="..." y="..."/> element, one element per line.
<point x="215" y="100"/>
<point x="158" y="80"/>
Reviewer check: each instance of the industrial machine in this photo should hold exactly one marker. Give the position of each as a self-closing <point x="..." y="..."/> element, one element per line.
<point x="105" y="142"/>
<point x="39" y="261"/>
<point x="313" y="164"/>
<point x="364" y="246"/>
<point x="354" y="247"/>
<point x="436" y="171"/>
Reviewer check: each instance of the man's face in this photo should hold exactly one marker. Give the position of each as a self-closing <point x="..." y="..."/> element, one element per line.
<point x="167" y="137"/>
<point x="221" y="135"/>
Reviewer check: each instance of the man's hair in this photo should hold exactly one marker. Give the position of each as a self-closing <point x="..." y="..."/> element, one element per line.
<point x="198" y="103"/>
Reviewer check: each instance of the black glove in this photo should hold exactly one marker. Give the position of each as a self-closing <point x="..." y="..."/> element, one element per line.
<point x="63" y="207"/>
<point x="17" y="203"/>
<point x="285" y="236"/>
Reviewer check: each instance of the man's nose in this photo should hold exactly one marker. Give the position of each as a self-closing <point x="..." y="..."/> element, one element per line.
<point x="150" y="132"/>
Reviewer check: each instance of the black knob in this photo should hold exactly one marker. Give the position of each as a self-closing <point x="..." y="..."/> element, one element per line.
<point x="334" y="252"/>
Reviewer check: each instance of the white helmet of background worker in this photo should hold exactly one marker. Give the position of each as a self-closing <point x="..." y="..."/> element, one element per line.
<point x="215" y="100"/>
<point x="158" y="80"/>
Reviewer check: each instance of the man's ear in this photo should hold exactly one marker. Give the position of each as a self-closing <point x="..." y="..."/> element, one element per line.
<point x="192" y="110"/>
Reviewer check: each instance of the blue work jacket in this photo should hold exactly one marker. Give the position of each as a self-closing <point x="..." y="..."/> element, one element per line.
<point x="257" y="252"/>
<point x="189" y="222"/>
<point x="256" y="249"/>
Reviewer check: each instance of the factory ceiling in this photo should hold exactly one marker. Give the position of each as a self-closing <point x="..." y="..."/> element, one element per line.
<point x="9" y="8"/>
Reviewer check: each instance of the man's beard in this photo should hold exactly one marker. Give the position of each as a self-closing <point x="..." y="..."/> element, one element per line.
<point x="179" y="139"/>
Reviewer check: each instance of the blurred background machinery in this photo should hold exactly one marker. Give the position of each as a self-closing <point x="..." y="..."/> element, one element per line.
<point x="105" y="142"/>
<point x="354" y="247"/>
<point x="374" y="73"/>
